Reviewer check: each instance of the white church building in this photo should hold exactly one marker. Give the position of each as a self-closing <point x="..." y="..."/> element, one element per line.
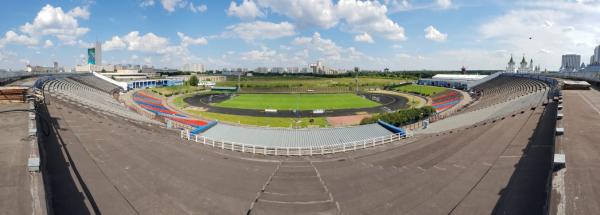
<point x="524" y="67"/>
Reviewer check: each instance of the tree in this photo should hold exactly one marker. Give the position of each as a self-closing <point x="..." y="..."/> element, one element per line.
<point x="193" y="81"/>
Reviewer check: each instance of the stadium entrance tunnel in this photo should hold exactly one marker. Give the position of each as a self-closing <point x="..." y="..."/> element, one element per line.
<point x="388" y="103"/>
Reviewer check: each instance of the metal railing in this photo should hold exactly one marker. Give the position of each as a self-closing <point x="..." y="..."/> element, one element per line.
<point x="292" y="151"/>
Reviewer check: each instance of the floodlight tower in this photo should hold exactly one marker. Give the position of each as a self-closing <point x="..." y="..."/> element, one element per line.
<point x="356" y="69"/>
<point x="238" y="84"/>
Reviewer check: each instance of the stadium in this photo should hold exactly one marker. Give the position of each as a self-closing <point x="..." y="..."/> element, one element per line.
<point x="501" y="150"/>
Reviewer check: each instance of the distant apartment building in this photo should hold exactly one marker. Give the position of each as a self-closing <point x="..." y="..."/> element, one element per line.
<point x="318" y="68"/>
<point x="193" y="67"/>
<point x="570" y="63"/>
<point x="262" y="70"/>
<point x="595" y="58"/>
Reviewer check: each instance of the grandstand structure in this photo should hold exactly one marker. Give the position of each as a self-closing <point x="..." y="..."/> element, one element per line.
<point x="446" y="100"/>
<point x="112" y="157"/>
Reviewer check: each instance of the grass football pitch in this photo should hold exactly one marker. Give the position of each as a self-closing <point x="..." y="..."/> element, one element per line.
<point x="297" y="101"/>
<point x="421" y="89"/>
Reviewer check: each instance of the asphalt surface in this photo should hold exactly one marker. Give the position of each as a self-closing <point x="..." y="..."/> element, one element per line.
<point x="390" y="102"/>
<point x="580" y="190"/>
<point x="104" y="164"/>
<point x="15" y="180"/>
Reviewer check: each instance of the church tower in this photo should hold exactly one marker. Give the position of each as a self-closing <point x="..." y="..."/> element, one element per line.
<point x="530" y="65"/>
<point x="511" y="65"/>
<point x="523" y="66"/>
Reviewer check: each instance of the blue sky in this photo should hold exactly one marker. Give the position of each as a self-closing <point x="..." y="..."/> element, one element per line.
<point x="399" y="34"/>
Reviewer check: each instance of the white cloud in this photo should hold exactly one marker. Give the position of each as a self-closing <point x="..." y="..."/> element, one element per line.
<point x="11" y="37"/>
<point x="48" y="44"/>
<point x="79" y="12"/>
<point x="24" y="61"/>
<point x="444" y="4"/>
<point x="152" y="44"/>
<point x="567" y="33"/>
<point x="146" y="3"/>
<point x="259" y="55"/>
<point x="198" y="9"/>
<point x="319" y="13"/>
<point x="171" y="5"/>
<point x="246" y="10"/>
<point x="149" y="42"/>
<point x="398" y="5"/>
<point x="356" y="15"/>
<point x="326" y="47"/>
<point x="53" y="21"/>
<point x="186" y="40"/>
<point x="260" y="30"/>
<point x="116" y="43"/>
<point x="369" y="16"/>
<point x="433" y="34"/>
<point x="365" y="37"/>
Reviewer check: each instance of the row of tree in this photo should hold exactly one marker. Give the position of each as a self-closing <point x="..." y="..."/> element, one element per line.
<point x="401" y="117"/>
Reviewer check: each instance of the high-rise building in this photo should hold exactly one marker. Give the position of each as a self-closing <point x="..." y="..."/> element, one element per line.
<point x="595" y="58"/>
<point x="570" y="63"/>
<point x="94" y="54"/>
<point x="98" y="53"/>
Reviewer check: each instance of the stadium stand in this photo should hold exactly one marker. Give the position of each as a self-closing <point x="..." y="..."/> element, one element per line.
<point x="446" y="100"/>
<point x="97" y="83"/>
<point x="294" y="138"/>
<point x="70" y="90"/>
<point x="465" y="172"/>
<point x="502" y="96"/>
<point x="100" y="162"/>
<point x="503" y="88"/>
<point x="155" y="106"/>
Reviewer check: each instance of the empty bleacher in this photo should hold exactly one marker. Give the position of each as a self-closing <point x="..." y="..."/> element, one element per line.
<point x="97" y="83"/>
<point x="81" y="94"/>
<point x="294" y="138"/>
<point x="155" y="106"/>
<point x="139" y="169"/>
<point x="503" y="88"/>
<point x="445" y="100"/>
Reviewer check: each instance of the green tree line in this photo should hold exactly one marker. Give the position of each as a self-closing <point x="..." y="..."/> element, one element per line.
<point x="401" y="117"/>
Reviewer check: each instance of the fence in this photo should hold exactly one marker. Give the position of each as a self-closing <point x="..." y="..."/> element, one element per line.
<point x="292" y="151"/>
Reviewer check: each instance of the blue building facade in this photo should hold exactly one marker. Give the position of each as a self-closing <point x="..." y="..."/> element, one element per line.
<point x="154" y="83"/>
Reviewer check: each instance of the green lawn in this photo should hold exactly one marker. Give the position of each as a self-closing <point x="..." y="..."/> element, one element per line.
<point x="297" y="101"/>
<point x="175" y="90"/>
<point x="261" y="121"/>
<point x="420" y="89"/>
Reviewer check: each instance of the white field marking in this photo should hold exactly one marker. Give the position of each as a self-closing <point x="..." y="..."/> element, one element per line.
<point x="588" y="102"/>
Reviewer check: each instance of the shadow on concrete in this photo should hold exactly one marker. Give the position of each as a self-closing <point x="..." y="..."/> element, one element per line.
<point x="528" y="189"/>
<point x="66" y="197"/>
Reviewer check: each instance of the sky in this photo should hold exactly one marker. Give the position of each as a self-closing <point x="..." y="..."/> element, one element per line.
<point x="377" y="34"/>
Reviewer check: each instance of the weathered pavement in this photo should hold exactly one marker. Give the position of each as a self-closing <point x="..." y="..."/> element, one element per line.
<point x="580" y="191"/>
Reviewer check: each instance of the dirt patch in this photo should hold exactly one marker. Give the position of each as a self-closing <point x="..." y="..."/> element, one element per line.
<point x="339" y="121"/>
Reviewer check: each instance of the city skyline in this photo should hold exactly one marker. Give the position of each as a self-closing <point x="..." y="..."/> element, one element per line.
<point x="343" y="34"/>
